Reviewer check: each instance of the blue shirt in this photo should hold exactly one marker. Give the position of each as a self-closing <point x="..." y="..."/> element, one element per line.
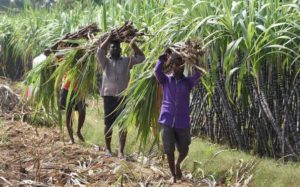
<point x="175" y="108"/>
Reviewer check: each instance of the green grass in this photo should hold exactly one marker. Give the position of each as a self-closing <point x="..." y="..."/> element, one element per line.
<point x="268" y="172"/>
<point x="214" y="159"/>
<point x="273" y="173"/>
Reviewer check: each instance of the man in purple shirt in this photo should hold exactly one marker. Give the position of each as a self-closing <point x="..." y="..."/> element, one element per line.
<point x="174" y="116"/>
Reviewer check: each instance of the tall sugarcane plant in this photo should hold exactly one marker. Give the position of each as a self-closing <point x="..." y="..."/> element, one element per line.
<point x="249" y="98"/>
<point x="252" y="100"/>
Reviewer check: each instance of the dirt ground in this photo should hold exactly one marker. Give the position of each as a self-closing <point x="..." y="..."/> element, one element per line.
<point x="33" y="156"/>
<point x="42" y="156"/>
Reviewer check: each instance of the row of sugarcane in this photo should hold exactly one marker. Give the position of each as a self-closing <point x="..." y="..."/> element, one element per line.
<point x="267" y="121"/>
<point x="254" y="104"/>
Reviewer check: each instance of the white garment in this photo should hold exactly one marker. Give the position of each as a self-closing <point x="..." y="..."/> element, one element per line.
<point x="39" y="59"/>
<point x="36" y="61"/>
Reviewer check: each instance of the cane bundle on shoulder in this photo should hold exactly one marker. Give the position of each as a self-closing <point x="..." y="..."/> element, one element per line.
<point x="191" y="52"/>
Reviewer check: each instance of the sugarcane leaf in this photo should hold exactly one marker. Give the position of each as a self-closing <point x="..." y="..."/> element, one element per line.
<point x="227" y="83"/>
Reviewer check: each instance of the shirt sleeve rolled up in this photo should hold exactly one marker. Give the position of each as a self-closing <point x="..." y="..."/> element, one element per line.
<point x="158" y="71"/>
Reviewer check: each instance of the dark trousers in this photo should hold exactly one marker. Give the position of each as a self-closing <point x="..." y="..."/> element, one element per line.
<point x="80" y="105"/>
<point x="172" y="137"/>
<point x="111" y="109"/>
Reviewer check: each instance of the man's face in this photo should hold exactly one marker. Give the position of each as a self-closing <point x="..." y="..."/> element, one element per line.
<point x="115" y="49"/>
<point x="178" y="66"/>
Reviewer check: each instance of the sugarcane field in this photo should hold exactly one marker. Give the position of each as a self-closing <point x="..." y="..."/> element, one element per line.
<point x="150" y="93"/>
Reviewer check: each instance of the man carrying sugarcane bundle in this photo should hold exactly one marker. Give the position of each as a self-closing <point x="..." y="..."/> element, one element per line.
<point x="174" y="116"/>
<point x="116" y="74"/>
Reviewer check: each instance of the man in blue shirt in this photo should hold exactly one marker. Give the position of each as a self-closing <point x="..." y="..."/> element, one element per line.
<point x="175" y="110"/>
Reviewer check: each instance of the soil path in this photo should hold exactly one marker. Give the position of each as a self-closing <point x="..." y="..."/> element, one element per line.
<point x="37" y="157"/>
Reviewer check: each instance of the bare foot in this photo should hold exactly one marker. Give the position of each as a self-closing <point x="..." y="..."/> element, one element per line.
<point x="108" y="153"/>
<point x="121" y="156"/>
<point x="71" y="142"/>
<point x="172" y="180"/>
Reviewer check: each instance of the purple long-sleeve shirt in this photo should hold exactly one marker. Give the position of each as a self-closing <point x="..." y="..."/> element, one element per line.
<point x="175" y="109"/>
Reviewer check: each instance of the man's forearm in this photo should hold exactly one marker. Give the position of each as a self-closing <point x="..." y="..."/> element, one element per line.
<point x="102" y="51"/>
<point x="137" y="50"/>
<point x="104" y="45"/>
<point x="158" y="69"/>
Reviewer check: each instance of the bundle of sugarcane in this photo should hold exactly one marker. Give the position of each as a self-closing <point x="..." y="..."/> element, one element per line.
<point x="76" y="53"/>
<point x="88" y="32"/>
<point x="191" y="53"/>
<point x="125" y="33"/>
<point x="46" y="78"/>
